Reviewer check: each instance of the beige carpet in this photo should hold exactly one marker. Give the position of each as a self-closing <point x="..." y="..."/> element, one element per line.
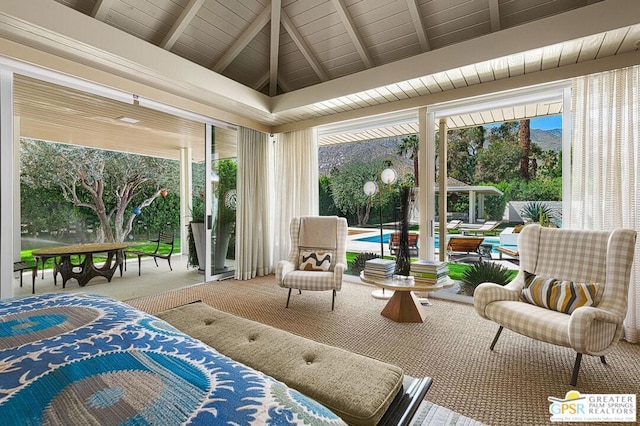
<point x="508" y="386"/>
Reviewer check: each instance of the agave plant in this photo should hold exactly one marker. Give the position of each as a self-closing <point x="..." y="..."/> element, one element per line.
<point x="357" y="265"/>
<point x="483" y="272"/>
<point x="537" y="212"/>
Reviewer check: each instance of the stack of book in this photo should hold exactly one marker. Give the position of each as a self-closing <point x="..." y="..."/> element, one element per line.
<point x="429" y="272"/>
<point x="379" y="268"/>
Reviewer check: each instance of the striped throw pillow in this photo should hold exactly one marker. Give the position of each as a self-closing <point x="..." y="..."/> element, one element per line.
<point x="561" y="296"/>
<point x="315" y="260"/>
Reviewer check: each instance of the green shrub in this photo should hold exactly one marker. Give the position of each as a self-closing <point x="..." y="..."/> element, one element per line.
<point x="357" y="265"/>
<point x="484" y="272"/>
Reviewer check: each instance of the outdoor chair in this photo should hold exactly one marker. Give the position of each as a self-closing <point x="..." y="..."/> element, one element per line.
<point x="164" y="241"/>
<point x="514" y="255"/>
<point x="394" y="243"/>
<point x="466" y="249"/>
<point x="24" y="266"/>
<point x="571" y="290"/>
<point x="488" y="226"/>
<point x="317" y="258"/>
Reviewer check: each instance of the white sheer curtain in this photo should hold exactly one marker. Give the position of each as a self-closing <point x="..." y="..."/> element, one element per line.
<point x="605" y="188"/>
<point x="253" y="227"/>
<point x="296" y="183"/>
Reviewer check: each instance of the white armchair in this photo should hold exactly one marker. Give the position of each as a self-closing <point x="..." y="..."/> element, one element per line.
<point x="590" y="267"/>
<point x="317" y="258"/>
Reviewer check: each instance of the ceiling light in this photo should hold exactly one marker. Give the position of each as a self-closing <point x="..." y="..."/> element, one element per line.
<point x="128" y="120"/>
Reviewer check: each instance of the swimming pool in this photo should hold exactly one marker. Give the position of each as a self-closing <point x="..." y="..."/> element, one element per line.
<point x="494" y="241"/>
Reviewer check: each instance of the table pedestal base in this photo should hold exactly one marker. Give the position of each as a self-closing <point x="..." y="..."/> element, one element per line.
<point x="404" y="307"/>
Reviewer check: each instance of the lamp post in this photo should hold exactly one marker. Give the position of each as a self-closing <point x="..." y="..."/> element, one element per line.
<point x="387" y="177"/>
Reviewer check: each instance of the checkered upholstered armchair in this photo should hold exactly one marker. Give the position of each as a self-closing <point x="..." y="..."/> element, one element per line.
<point x="317" y="258"/>
<point x="563" y="269"/>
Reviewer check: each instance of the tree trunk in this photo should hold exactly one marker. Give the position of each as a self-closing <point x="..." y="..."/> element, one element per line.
<point x="415" y="169"/>
<point x="525" y="144"/>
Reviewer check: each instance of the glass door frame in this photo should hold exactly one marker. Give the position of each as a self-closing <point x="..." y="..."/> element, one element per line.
<point x="210" y="200"/>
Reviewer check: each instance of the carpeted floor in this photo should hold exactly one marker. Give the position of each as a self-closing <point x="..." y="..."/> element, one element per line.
<point x="508" y="386"/>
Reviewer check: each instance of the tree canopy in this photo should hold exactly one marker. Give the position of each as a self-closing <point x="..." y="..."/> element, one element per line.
<point x="107" y="183"/>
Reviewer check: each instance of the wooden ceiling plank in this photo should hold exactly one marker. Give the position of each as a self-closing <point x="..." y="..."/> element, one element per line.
<point x="418" y="24"/>
<point x="242" y="41"/>
<point x="276" y="12"/>
<point x="178" y="27"/>
<point x="101" y="9"/>
<point x="349" y="25"/>
<point x="304" y="48"/>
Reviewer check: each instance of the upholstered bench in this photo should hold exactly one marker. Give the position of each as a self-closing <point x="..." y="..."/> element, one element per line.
<point x="361" y="390"/>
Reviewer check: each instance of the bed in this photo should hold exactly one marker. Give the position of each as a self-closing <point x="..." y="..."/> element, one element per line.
<point x="87" y="359"/>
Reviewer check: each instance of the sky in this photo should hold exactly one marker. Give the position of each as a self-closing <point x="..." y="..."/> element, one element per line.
<point x="542" y="123"/>
<point x="547" y="123"/>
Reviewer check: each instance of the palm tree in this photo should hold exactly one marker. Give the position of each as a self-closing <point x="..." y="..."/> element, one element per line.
<point x="409" y="147"/>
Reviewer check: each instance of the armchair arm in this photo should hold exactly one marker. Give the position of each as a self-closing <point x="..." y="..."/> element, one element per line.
<point x="487" y="293"/>
<point x="338" y="271"/>
<point x="283" y="268"/>
<point x="592" y="330"/>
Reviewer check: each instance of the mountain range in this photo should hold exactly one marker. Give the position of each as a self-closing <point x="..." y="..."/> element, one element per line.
<point x="330" y="156"/>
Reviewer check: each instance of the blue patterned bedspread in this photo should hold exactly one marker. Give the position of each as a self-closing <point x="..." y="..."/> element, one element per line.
<point x="68" y="359"/>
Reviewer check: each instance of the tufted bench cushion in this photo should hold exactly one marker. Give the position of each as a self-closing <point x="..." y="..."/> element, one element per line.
<point x="357" y="388"/>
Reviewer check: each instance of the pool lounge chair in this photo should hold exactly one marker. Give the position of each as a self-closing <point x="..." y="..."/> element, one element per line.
<point x="394" y="243"/>
<point x="452" y="224"/>
<point x="514" y="255"/>
<point x="467" y="249"/>
<point x="486" y="227"/>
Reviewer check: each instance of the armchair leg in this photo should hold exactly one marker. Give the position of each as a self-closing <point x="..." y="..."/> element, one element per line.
<point x="495" y="339"/>
<point x="288" y="297"/>
<point x="333" y="299"/>
<point x="576" y="368"/>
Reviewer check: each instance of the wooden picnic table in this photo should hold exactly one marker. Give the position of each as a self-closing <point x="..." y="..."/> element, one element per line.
<point x="86" y="269"/>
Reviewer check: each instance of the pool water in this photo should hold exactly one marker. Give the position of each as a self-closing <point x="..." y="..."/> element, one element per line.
<point x="493" y="241"/>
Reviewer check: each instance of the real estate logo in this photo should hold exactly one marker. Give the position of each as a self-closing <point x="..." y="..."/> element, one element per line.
<point x="576" y="407"/>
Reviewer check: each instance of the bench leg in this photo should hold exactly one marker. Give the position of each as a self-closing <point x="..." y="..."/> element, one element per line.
<point x="139" y="264"/>
<point x="34" y="273"/>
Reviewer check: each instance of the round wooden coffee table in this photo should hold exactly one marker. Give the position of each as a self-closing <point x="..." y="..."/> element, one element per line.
<point x="404" y="306"/>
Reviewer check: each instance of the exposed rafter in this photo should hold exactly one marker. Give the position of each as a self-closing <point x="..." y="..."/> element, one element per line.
<point x="276" y="9"/>
<point x="101" y="9"/>
<point x="243" y="40"/>
<point x="302" y="45"/>
<point x="494" y="13"/>
<point x="264" y="80"/>
<point x="181" y="23"/>
<point x="416" y="17"/>
<point x="348" y="23"/>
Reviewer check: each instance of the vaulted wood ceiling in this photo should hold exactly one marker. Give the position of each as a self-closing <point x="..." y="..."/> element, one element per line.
<point x="322" y="61"/>
<point x="283" y="45"/>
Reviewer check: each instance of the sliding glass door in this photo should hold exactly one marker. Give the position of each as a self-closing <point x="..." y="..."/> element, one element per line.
<point x="221" y="177"/>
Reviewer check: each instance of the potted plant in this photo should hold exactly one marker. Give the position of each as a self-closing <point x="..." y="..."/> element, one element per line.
<point x="196" y="235"/>
<point x="226" y="211"/>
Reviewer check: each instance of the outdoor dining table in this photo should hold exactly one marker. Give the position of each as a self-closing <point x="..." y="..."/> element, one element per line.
<point x="86" y="269"/>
